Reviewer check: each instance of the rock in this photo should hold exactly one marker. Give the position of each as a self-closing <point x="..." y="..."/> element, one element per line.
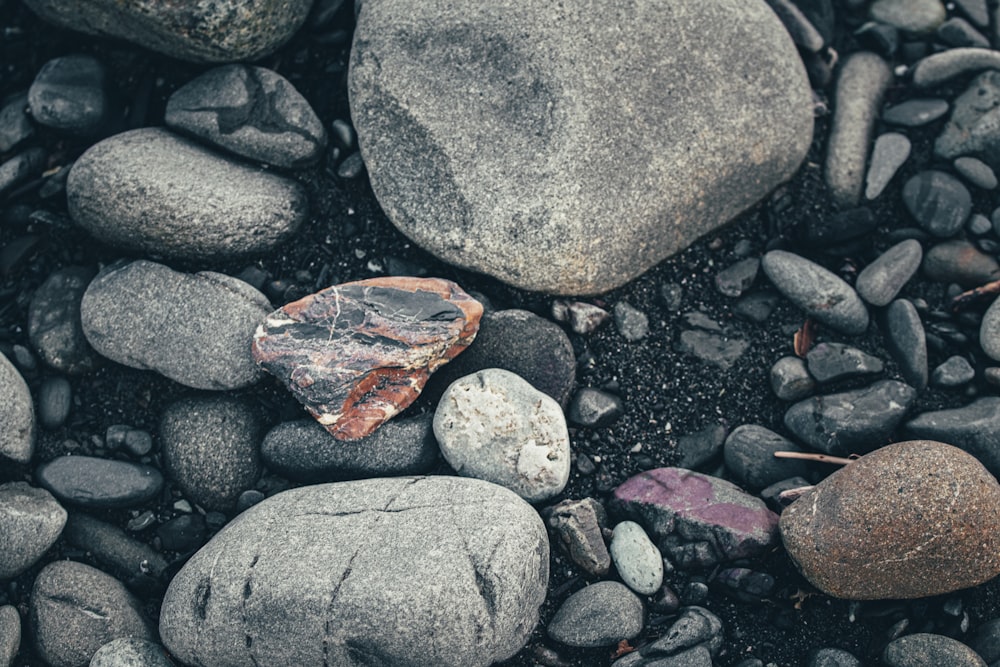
<point x="17" y="415"/>
<point x="251" y="111"/>
<point x="75" y="610"/>
<point x="745" y="584"/>
<point x="92" y="482"/>
<point x="916" y="112"/>
<point x="756" y="306"/>
<point x="21" y="167"/>
<point x="636" y="558"/>
<point x="583" y="318"/>
<point x="694" y="627"/>
<point x="976" y="172"/>
<point x="304" y="451"/>
<point x="985" y="640"/>
<point x="959" y="262"/>
<point x="130" y="652"/>
<point x="15" y="127"/>
<point x="829" y="362"/>
<point x="971" y="128"/>
<point x="700" y="447"/>
<point x="30" y="522"/>
<point x="890" y="152"/>
<point x="803" y="32"/>
<point x="880" y="282"/>
<point x="124" y="555"/>
<point x="989" y="331"/>
<point x="736" y="279"/>
<point x="881" y="527"/>
<point x="717" y="349"/>
<point x="820" y="293"/>
<point x="10" y="634"/>
<point x="447" y="96"/>
<point x="152" y="191"/>
<point x="195" y="329"/>
<point x="673" y="502"/>
<point x="210" y="448"/>
<point x="851" y="422"/>
<point x="914" y="16"/>
<point x="929" y="649"/>
<point x="593" y="408"/>
<point x="864" y="78"/>
<point x="833" y="657"/>
<point x="493" y="425"/>
<point x="69" y="94"/>
<point x="359" y="353"/>
<point x="906" y="341"/>
<point x="469" y="572"/>
<point x="217" y="32"/>
<point x="749" y="454"/>
<point x="958" y="32"/>
<point x="599" y="615"/>
<point x="790" y="379"/>
<point x="972" y="427"/>
<point x="938" y="68"/>
<point x="54" y="327"/>
<point x="938" y="201"/>
<point x="954" y="372"/>
<point x="979" y="224"/>
<point x="579" y="524"/>
<point x="975" y="10"/>
<point x="183" y="534"/>
<point x="632" y="324"/>
<point x="55" y="399"/>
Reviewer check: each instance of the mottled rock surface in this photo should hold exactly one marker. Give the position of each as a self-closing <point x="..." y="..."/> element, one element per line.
<point x="17" y="415"/>
<point x="90" y="481"/>
<point x="599" y="615"/>
<point x="54" y="326"/>
<point x="30" y="522"/>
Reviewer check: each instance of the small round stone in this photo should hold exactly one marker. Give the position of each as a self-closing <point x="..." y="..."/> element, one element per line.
<point x="976" y="172"/>
<point x="880" y="282"/>
<point x="954" y="372"/>
<point x="94" y="482"/>
<point x="632" y="323"/>
<point x="817" y="291"/>
<point x="599" y="615"/>
<point x="790" y="379"/>
<point x="638" y="561"/>
<point x="593" y="408"/>
<point x="55" y="399"/>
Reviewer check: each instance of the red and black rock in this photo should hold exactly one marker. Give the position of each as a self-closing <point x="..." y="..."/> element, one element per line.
<point x="357" y="354"/>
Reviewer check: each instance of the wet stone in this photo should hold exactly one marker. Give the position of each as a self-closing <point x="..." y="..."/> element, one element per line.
<point x="17" y="415"/>
<point x="637" y="560"/>
<point x="15" y="124"/>
<point x="601" y="614"/>
<point x="954" y="372"/>
<point x="829" y="362"/>
<point x="359" y="353"/>
<point x="69" y="94"/>
<point x="583" y="318"/>
<point x="880" y="282"/>
<point x="917" y="112"/>
<point x="790" y="379"/>
<point x="91" y="482"/>
<point x="890" y="152"/>
<point x="734" y="280"/>
<point x="972" y="427"/>
<point x="130" y="652"/>
<point x="749" y="454"/>
<point x="55" y="399"/>
<point x="817" y="291"/>
<point x="976" y="172"/>
<point x="54" y="327"/>
<point x="695" y="627"/>
<point x="632" y="323"/>
<point x="30" y="522"/>
<point x="938" y="202"/>
<point x="578" y="526"/>
<point x="593" y="408"/>
<point x="960" y="262"/>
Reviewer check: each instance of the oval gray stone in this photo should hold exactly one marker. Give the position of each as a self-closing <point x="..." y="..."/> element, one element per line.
<point x="599" y="615"/>
<point x="938" y="68"/>
<point x="749" y="455"/>
<point x="152" y="191"/>
<point x="972" y="427"/>
<point x="926" y="649"/>
<point x="817" y="291"/>
<point x="30" y="522"/>
<point x="430" y="571"/>
<point x="890" y="152"/>
<point x="880" y="282"/>
<point x="477" y="124"/>
<point x="17" y="415"/>
<point x="638" y="561"/>
<point x="989" y="331"/>
<point x="89" y="481"/>
<point x="913" y="16"/>
<point x="195" y="329"/>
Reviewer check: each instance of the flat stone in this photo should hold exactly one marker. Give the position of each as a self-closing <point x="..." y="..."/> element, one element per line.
<point x="749" y="455"/>
<point x="971" y="130"/>
<point x="599" y="615"/>
<point x="958" y="32"/>
<point x="889" y="154"/>
<point x="447" y="96"/>
<point x="881" y="527"/>
<point x="55" y="400"/>
<point x="817" y="291"/>
<point x="10" y="634"/>
<point x="880" y="282"/>
<point x="30" y="522"/>
<point x="790" y="379"/>
<point x="972" y="427"/>
<point x="916" y="112"/>
<point x="914" y="16"/>
<point x="698" y="448"/>
<point x="938" y="202"/>
<point x="695" y="627"/>
<point x="953" y="372"/>
<point x="17" y="415"/>
<point x="69" y="94"/>
<point x="717" y="349"/>
<point x="976" y="172"/>
<point x="469" y="571"/>
<point x="929" y="649"/>
<point x="906" y="341"/>
<point x="737" y="278"/>
<point x="829" y="362"/>
<point x="54" y="327"/>
<point x="359" y="353"/>
<point x="637" y="560"/>
<point x="938" y="68"/>
<point x="959" y="262"/>
<point x="124" y="555"/>
<point x="251" y="111"/>
<point x="130" y="652"/>
<point x="494" y="425"/>
<point x="88" y="481"/>
<point x="632" y="323"/>
<point x="579" y="526"/>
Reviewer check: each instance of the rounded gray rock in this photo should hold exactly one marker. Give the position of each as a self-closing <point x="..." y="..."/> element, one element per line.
<point x="69" y="94"/>
<point x="938" y="202"/>
<point x="638" y="561"/>
<point x="890" y="152"/>
<point x="959" y="261"/>
<point x="17" y="415"/>
<point x="749" y="455"/>
<point x="10" y="634"/>
<point x="906" y="341"/>
<point x="195" y="329"/>
<point x="880" y="282"/>
<point x="989" y="331"/>
<point x="89" y="481"/>
<point x="130" y="652"/>
<point x="435" y="572"/>
<point x="971" y="128"/>
<point x="601" y="614"/>
<point x="912" y="16"/>
<point x="54" y="327"/>
<point x="817" y="291"/>
<point x="938" y="68"/>
<point x="152" y="191"/>
<point x="930" y="650"/>
<point x="790" y="379"/>
<point x="30" y="522"/>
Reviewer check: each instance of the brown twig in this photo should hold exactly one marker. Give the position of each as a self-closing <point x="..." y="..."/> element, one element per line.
<point x="820" y="458"/>
<point x="967" y="298"/>
<point x="804" y="337"/>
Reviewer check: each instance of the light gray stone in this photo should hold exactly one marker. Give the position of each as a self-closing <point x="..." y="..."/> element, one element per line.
<point x="130" y="652"/>
<point x="971" y="130"/>
<point x="10" y="634"/>
<point x="817" y="291"/>
<point x="111" y="546"/>
<point x="913" y="16"/>
<point x="436" y="572"/>
<point x="638" y="561"/>
<point x="599" y="615"/>
<point x="925" y="649"/>
<point x="937" y="68"/>
<point x="880" y="282"/>
<point x="890" y="152"/>
<point x="17" y="415"/>
<point x="989" y="331"/>
<point x="30" y="522"/>
<point x="790" y="379"/>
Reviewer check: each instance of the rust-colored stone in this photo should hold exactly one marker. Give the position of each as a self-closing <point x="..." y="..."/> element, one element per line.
<point x="357" y="354"/>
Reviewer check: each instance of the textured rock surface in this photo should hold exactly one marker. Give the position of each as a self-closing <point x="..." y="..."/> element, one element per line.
<point x="30" y="522"/>
<point x="817" y="291"/>
<point x="54" y="326"/>
<point x="95" y="482"/>
<point x="599" y="615"/>
<point x="446" y="96"/>
<point x="974" y="427"/>
<point x="130" y="652"/>
<point x="910" y="520"/>
<point x="69" y="94"/>
<point x="638" y="561"/>
<point x="357" y="354"/>
<point x="17" y="415"/>
<point x="10" y="634"/>
<point x="579" y="525"/>
<point x="469" y="569"/>
<point x="971" y="130"/>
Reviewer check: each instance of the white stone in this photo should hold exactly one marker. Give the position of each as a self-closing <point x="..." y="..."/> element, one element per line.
<point x="638" y="561"/>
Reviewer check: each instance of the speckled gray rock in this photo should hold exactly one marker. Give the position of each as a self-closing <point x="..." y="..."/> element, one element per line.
<point x="916" y="112"/>
<point x="469" y="572"/>
<point x="974" y="427"/>
<point x="130" y="652"/>
<point x="929" y="650"/>
<point x="749" y="454"/>
<point x="790" y="379"/>
<point x="30" y="522"/>
<point x="126" y="556"/>
<point x="989" y="331"/>
<point x="195" y="329"/>
<point x="817" y="291"/>
<point x="829" y="362"/>
<point x="76" y="609"/>
<point x="221" y="31"/>
<point x="90" y="481"/>
<point x="17" y="415"/>
<point x="593" y="408"/>
<point x="906" y="341"/>
<point x="638" y="561"/>
<point x="953" y="372"/>
<point x="937" y="68"/>
<point x="210" y="448"/>
<point x="913" y="16"/>
<point x="833" y="657"/>
<point x="446" y="95"/>
<point x="152" y="191"/>
<point x="54" y="327"/>
<point x="493" y="425"/>
<point x="601" y="614"/>
<point x="880" y="282"/>
<point x="938" y="202"/>
<point x="632" y="323"/>
<point x="69" y="94"/>
<point x="890" y="152"/>
<point x="976" y="172"/>
<point x="10" y="634"/>
<point x="251" y="111"/>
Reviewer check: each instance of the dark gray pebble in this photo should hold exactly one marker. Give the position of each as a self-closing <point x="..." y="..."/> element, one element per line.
<point x="832" y="657"/>
<point x="954" y="372"/>
<point x="55" y="399"/>
<point x="749" y="453"/>
<point x="880" y="282"/>
<point x="182" y="534"/>
<point x="986" y="641"/>
<point x="69" y="94"/>
<point x="756" y="306"/>
<point x="914" y="113"/>
<point x="92" y="482"/>
<point x="938" y="202"/>
<point x="593" y="408"/>
<point x="975" y="10"/>
<point x="15" y="124"/>
<point x="790" y="379"/>
<point x="972" y="427"/>
<point x="694" y="627"/>
<point x="925" y="649"/>
<point x="343" y="134"/>
<point x="802" y="31"/>
<point x="745" y="584"/>
<point x="976" y="172"/>
<point x="352" y="166"/>
<point x="583" y="318"/>
<point x="736" y="279"/>
<point x="817" y="291"/>
<point x="21" y="167"/>
<point x="938" y="68"/>
<point x="124" y="555"/>
<point x="54" y="327"/>
<point x="714" y="348"/>
<point x="979" y="224"/>
<point x="601" y="614"/>
<point x="958" y="32"/>
<point x="829" y="362"/>
<point x="771" y="494"/>
<point x="881" y="38"/>
<point x="698" y="448"/>
<point x="248" y="499"/>
<point x="959" y="262"/>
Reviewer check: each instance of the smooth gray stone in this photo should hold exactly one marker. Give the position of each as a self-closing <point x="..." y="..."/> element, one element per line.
<point x="698" y="448"/>
<point x="833" y="657"/>
<point x="890" y="152"/>
<point x="54" y="327"/>
<point x="975" y="10"/>
<point x="10" y="634"/>
<point x="17" y="415"/>
<point x="914" y="113"/>
<point x="979" y="224"/>
<point x="829" y="362"/>
<point x="957" y="32"/>
<point x="974" y="427"/>
<point x="961" y="262"/>
<point x="985" y="640"/>
<point x="851" y="422"/>
<point x="803" y="32"/>
<point x="26" y="164"/>
<point x="953" y="372"/>
<point x="210" y="448"/>
<point x="221" y="31"/>
<point x="989" y="331"/>
<point x="76" y="609"/>
<point x="88" y="481"/>
<point x="593" y="408"/>
<point x="435" y="571"/>
<point x="31" y="520"/>
<point x="880" y="282"/>
<point x="938" y="202"/>
<point x="15" y="124"/>
<point x="638" y="562"/>
<point x="924" y="649"/>
<point x="69" y="94"/>
<point x="123" y="554"/>
<point x="447" y="95"/>
<point x="195" y="329"/>
<point x="977" y="172"/>
<point x="251" y="111"/>
<point x="304" y="451"/>
<point x="817" y="291"/>
<point x="599" y="615"/>
<point x="971" y="130"/>
<point x="130" y="652"/>
<point x="155" y="192"/>
<point x="695" y="626"/>
<point x="864" y="78"/>
<point x="906" y="341"/>
<point x="55" y="399"/>
<point x="749" y="454"/>
<point x="790" y="379"/>
<point x="937" y="68"/>
<point x="913" y="16"/>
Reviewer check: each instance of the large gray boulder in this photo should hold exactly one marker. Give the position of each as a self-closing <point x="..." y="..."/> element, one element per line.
<point x="429" y="571"/>
<point x="569" y="147"/>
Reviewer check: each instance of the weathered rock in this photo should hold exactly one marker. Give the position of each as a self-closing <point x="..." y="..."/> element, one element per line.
<point x="749" y="454"/>
<point x="424" y="571"/>
<point x="925" y="649"/>
<point x="909" y="520"/>
<point x="599" y="615"/>
<point x="357" y="354"/>
<point x="593" y="408"/>
<point x="10" y="634"/>
<point x="971" y="130"/>
<point x="446" y="96"/>
<point x="790" y="379"/>
<point x="130" y="652"/>
<point x="579" y="525"/>
<point x="94" y="482"/>
<point x="30" y="522"/>
<point x="638" y="561"/>
<point x="17" y="415"/>
<point x="54" y="321"/>
<point x="70" y="94"/>
<point x="959" y="262"/>
<point x="583" y="318"/>
<point x="829" y="362"/>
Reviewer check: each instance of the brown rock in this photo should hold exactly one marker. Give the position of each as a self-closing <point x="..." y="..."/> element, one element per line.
<point x="357" y="354"/>
<point x="910" y="520"/>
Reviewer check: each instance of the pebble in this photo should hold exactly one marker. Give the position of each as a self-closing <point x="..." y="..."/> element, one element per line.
<point x="832" y="657"/>
<point x="979" y="224"/>
<point x="803" y="32"/>
<point x="970" y="130"/>
<point x="864" y="78"/>
<point x="938" y="68"/>
<point x="976" y="172"/>
<point x="632" y="324"/>
<point x="251" y="111"/>
<point x="695" y="627"/>
<point x="916" y="112"/>
<point x="890" y="152"/>
<point x="126" y="556"/>
<point x="985" y="641"/>
<point x="989" y="331"/>
<point x="749" y="455"/>
<point x="55" y="399"/>
<point x="917" y="17"/>
<point x="69" y="94"/>
<point x="469" y="559"/>
<point x="15" y="126"/>
<point x="745" y="584"/>
<point x="957" y="32"/>
<point x="718" y="349"/>
<point x="494" y="425"/>
<point x="579" y="526"/>
<point x="31" y="520"/>
<point x="880" y="282"/>
<point x="881" y="38"/>
<point x="922" y="649"/>
<point x="22" y="166"/>
<point x="700" y="447"/>
<point x="959" y="262"/>
<point x="593" y="408"/>
<point x="830" y="362"/>
<point x="352" y="166"/>
<point x="130" y="652"/>
<point x="817" y="291"/>
<point x="210" y="448"/>
<point x="599" y="615"/>
<point x="583" y="318"/>
<point x="637" y="560"/>
<point x="54" y="327"/>
<point x="850" y="422"/>
<point x="97" y="483"/>
<point x="938" y="202"/>
<point x="954" y="372"/>
<point x="343" y="134"/>
<point x="195" y="329"/>
<point x="183" y="534"/>
<point x="10" y="634"/>
<point x="972" y="427"/>
<point x="790" y="379"/>
<point x="304" y="451"/>
<point x="756" y="306"/>
<point x="736" y="279"/>
<point x="77" y="609"/>
<point x="17" y="415"/>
